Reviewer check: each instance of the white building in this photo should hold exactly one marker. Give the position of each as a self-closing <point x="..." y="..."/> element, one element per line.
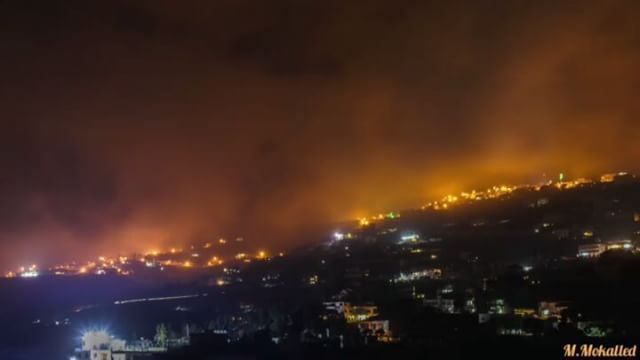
<point x="99" y="345"/>
<point x="337" y="306"/>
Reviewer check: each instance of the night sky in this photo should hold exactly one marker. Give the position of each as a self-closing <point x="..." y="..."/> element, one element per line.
<point x="132" y="124"/>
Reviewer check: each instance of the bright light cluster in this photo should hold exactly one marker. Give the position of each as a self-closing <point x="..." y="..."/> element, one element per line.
<point x="125" y="265"/>
<point x="498" y="191"/>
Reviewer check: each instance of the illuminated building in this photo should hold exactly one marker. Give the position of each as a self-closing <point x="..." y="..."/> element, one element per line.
<point x="337" y="306"/>
<point x="591" y="250"/>
<point x="30" y="272"/>
<point x="606" y="178"/>
<point x="100" y="345"/>
<point x="410" y="239"/>
<point x="377" y="328"/>
<point x="313" y="280"/>
<point x="498" y="307"/>
<point x="594" y="328"/>
<point x="619" y="245"/>
<point x="359" y="313"/>
<point x="551" y="309"/>
<point x="470" y="305"/>
<point x="524" y="312"/>
<point x="570" y="184"/>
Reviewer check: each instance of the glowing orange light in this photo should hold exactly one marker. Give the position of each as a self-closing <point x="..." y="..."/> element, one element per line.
<point x="214" y="261"/>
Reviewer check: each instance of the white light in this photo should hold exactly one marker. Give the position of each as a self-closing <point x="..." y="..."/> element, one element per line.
<point x="338" y="235"/>
<point x="29" y="274"/>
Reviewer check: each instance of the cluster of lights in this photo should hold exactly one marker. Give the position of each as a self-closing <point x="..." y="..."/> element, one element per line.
<point x="313" y="280"/>
<point x="418" y="275"/>
<point x="364" y="221"/>
<point x="409" y="238"/>
<point x="572" y="183"/>
<point x="490" y="193"/>
<point x="30" y="272"/>
<point x="24" y="272"/>
<point x="122" y="264"/>
<point x="339" y="236"/>
<point x="104" y="263"/>
<point x="495" y="192"/>
<point x="214" y="261"/>
<point x="606" y="178"/>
